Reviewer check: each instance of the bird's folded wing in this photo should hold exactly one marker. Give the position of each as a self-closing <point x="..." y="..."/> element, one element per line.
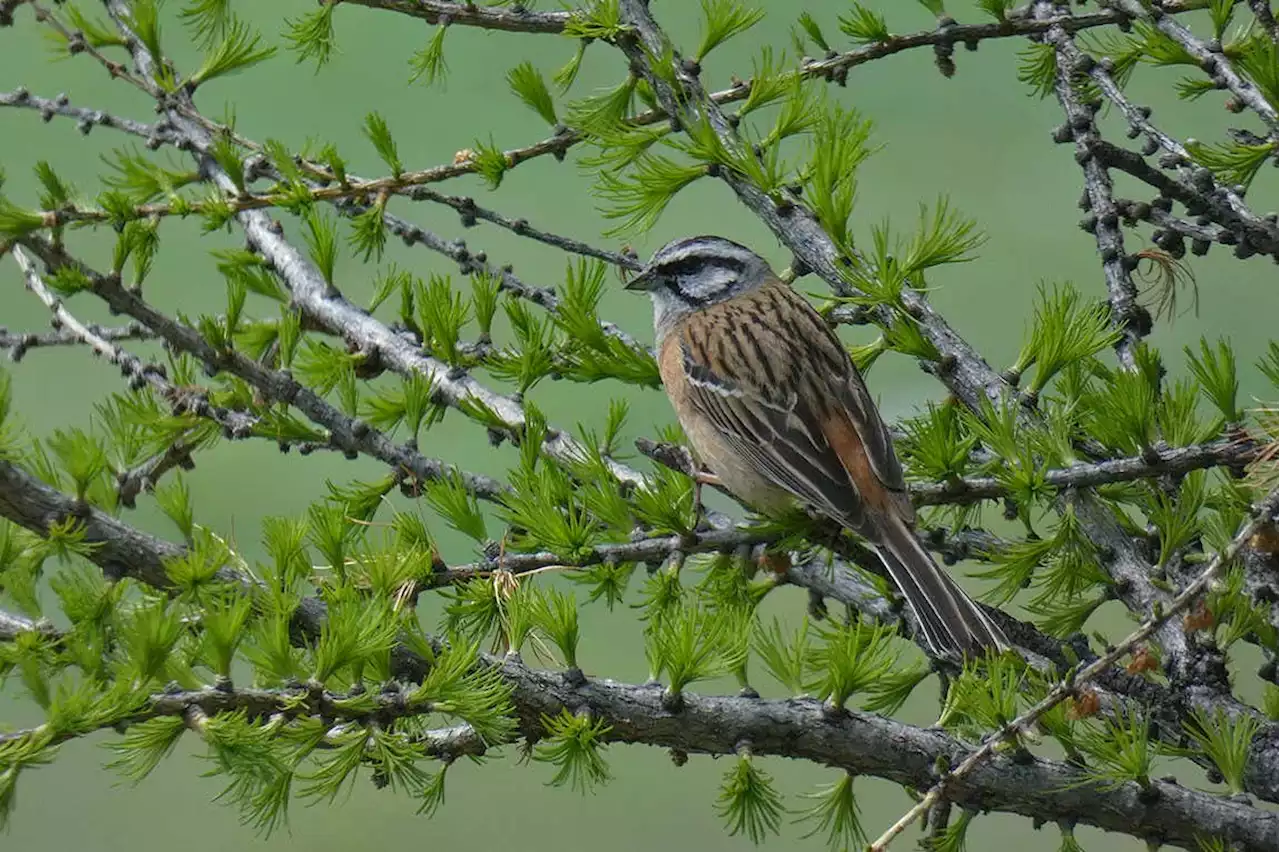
<point x="778" y="435"/>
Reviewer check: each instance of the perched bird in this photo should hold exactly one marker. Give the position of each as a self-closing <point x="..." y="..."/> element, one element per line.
<point x="774" y="407"/>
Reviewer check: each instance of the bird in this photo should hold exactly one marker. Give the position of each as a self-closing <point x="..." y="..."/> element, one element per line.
<point x="772" y="404"/>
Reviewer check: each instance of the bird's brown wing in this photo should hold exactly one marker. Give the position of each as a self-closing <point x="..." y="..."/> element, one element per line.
<point x="798" y="411"/>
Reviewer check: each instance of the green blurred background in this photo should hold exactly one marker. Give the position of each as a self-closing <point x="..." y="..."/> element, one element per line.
<point x="978" y="138"/>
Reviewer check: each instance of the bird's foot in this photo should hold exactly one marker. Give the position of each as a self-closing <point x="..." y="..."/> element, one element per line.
<point x="701" y="478"/>
<point x="778" y="563"/>
<point x="706" y="477"/>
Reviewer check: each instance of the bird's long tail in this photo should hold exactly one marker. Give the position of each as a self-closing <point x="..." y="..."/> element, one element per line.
<point x="952" y="624"/>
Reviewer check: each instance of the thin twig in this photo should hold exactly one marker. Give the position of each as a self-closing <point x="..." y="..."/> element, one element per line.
<point x="144" y="475"/>
<point x="19" y="343"/>
<point x="85" y="118"/>
<point x="516" y="18"/>
<point x="77" y="43"/>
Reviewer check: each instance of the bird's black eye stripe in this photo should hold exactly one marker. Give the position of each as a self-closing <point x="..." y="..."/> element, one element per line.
<point x="693" y="263"/>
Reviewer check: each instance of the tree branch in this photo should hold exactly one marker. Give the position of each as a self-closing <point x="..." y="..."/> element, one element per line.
<point x="907" y="755"/>
<point x="1139" y="119"/>
<point x="12" y="625"/>
<point x="349" y="434"/>
<point x="1262" y="11"/>
<point x="833" y="68"/>
<point x="77" y="43"/>
<point x="324" y="305"/>
<point x="856" y="742"/>
<point x="470" y="211"/>
<point x="143" y="477"/>
<point x="1242" y="229"/>
<point x="1231" y="453"/>
<point x="20" y="343"/>
<point x="1133" y="321"/>
<point x="121" y="551"/>
<point x="515" y="18"/>
<point x="117" y="548"/>
<point x="86" y="119"/>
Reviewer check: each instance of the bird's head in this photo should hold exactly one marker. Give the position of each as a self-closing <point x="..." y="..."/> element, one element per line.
<point x="689" y="274"/>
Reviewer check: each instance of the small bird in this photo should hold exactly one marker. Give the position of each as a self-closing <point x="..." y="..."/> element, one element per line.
<point x="774" y="407"/>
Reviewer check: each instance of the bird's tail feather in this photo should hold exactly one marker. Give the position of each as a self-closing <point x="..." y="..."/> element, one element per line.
<point x="952" y="624"/>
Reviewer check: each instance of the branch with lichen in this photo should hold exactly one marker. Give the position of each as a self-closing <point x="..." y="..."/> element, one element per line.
<point x="859" y="743"/>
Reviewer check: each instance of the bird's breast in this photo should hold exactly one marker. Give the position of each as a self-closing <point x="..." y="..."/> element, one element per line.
<point x="740" y="478"/>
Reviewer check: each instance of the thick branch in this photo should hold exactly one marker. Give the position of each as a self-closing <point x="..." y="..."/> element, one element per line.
<point x="117" y="548"/>
<point x="859" y="743"/>
<point x="872" y="745"/>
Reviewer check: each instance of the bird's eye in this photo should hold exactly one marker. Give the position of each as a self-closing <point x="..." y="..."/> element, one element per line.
<point x="683" y="266"/>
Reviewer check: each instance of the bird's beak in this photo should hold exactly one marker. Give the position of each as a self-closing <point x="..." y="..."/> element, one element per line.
<point x="644" y="281"/>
